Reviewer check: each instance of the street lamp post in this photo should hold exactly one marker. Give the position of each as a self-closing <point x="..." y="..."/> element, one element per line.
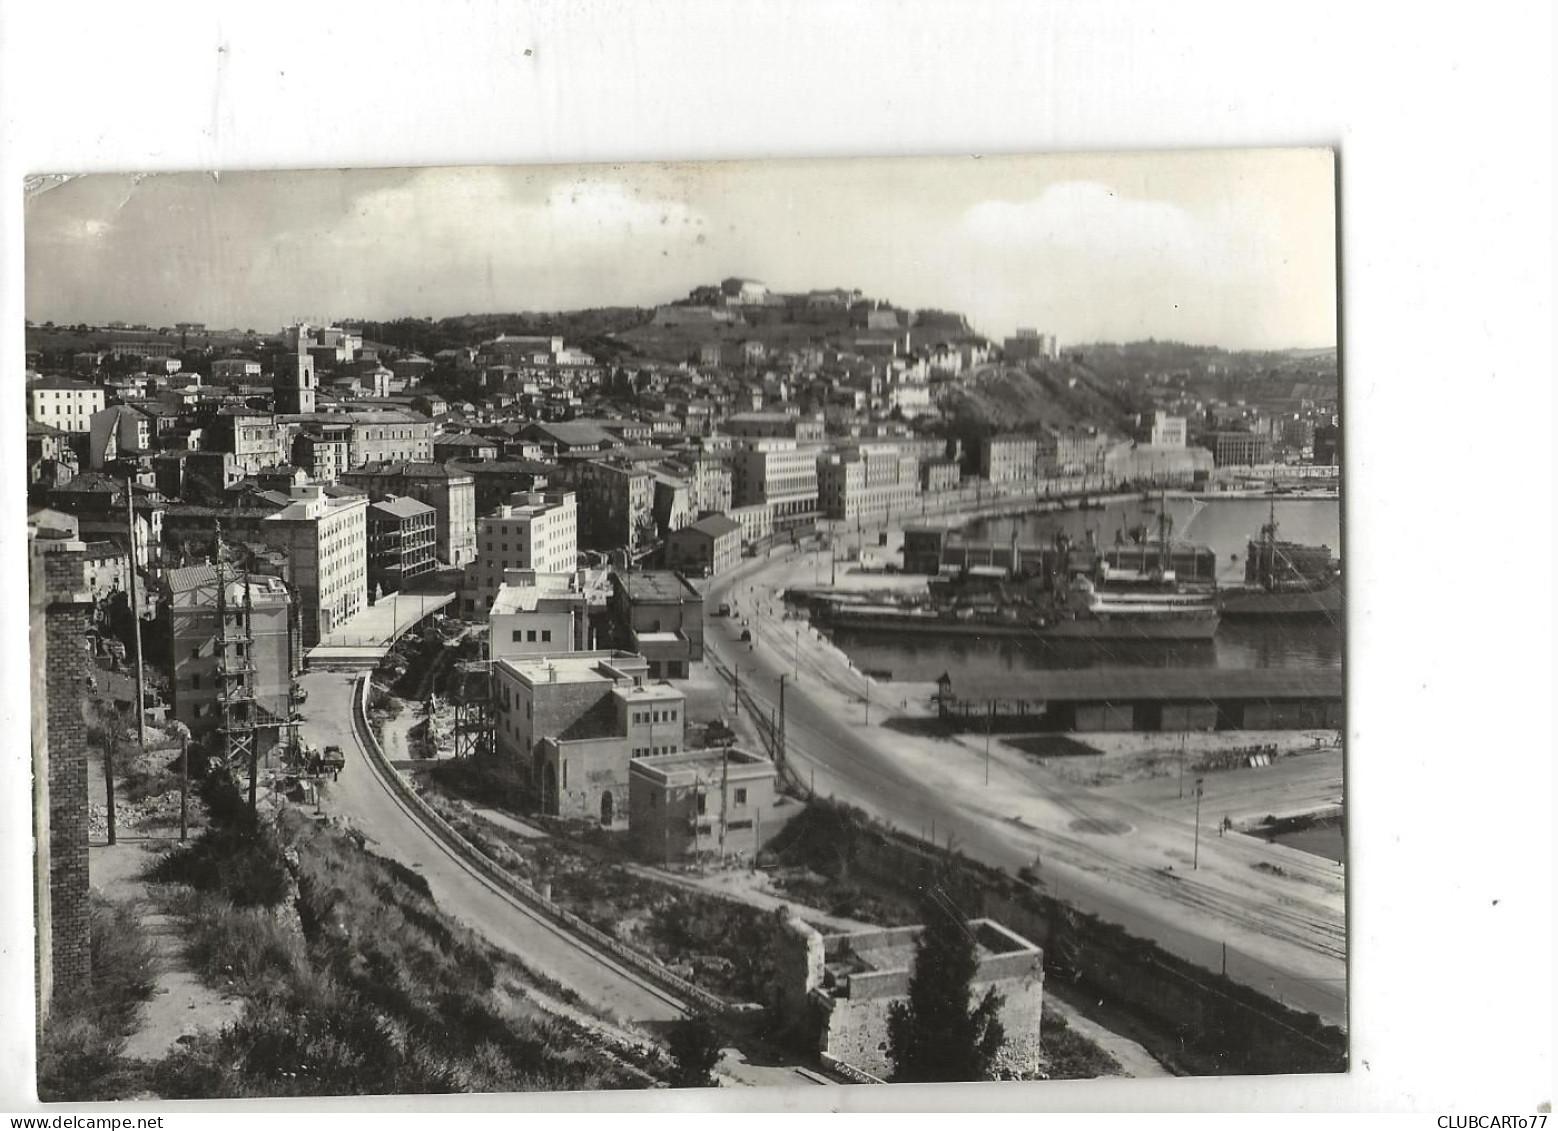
<point x="1195" y="862"/>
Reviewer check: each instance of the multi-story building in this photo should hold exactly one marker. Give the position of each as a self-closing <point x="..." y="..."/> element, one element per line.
<point x="939" y="474"/>
<point x="867" y="484"/>
<point x="402" y="542"/>
<point x="781" y="474"/>
<point x="323" y="450"/>
<point x="450" y="491"/>
<point x="117" y="431"/>
<point x="1241" y="449"/>
<point x="659" y="615"/>
<point x="698" y="803"/>
<point x="1009" y="458"/>
<point x="774" y="426"/>
<point x="464" y="446"/>
<point x="380" y="436"/>
<point x="1167" y="431"/>
<point x="756" y="522"/>
<point x="574" y="723"/>
<point x="325" y="538"/>
<point x="256" y="439"/>
<point x="1030" y="345"/>
<point x="537" y="614"/>
<point x="616" y="504"/>
<point x="705" y="548"/>
<point x="260" y="610"/>
<point x="535" y="531"/>
<point x="1070" y="452"/>
<point x="64" y="403"/>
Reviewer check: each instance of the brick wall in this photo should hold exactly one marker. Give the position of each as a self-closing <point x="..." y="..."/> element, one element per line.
<point x="67" y="671"/>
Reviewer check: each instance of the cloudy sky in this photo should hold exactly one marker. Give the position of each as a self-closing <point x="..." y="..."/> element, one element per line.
<point x="1230" y="248"/>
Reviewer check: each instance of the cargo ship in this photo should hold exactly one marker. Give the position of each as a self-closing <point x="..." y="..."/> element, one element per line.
<point x="1285" y="579"/>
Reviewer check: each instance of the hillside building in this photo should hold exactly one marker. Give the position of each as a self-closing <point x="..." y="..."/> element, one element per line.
<point x="575" y="722"/>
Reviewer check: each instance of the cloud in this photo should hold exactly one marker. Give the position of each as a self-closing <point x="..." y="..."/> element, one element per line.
<point x="1091" y="219"/>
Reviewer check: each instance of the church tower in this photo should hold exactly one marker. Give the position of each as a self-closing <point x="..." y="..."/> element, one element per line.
<point x="296" y="384"/>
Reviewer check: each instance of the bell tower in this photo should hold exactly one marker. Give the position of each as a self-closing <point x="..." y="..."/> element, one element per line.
<point x="296" y="384"/>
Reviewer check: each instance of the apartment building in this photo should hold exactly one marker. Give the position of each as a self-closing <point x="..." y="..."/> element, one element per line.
<point x="536" y="531"/>
<point x="325" y="538"/>
<point x="263" y="658"/>
<point x="774" y="426"/>
<point x="64" y="403"/>
<point x="1241" y="449"/>
<point x="450" y="491"/>
<point x="781" y="474"/>
<point x="1009" y="458"/>
<point x="867" y="484"/>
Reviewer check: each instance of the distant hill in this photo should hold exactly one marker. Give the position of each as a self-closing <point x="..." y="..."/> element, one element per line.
<point x="1002" y="397"/>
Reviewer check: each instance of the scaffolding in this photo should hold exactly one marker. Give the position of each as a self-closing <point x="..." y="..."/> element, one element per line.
<point x="474" y="732"/>
<point x="244" y="719"/>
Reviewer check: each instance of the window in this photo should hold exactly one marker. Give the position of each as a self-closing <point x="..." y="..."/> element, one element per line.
<point x="530" y="636"/>
<point x="736" y="826"/>
<point x="703" y="804"/>
<point x="546" y="636"/>
<point x="518" y="635"/>
<point x="741" y="797"/>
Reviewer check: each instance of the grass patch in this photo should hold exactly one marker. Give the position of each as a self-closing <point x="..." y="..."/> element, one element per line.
<point x="80" y="1051"/>
<point x="1068" y="1055"/>
<point x="373" y="990"/>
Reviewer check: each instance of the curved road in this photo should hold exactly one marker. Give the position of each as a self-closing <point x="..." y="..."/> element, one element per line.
<point x="362" y="798"/>
<point x="853" y="762"/>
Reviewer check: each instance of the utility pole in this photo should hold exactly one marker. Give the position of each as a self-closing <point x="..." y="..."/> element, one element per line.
<point x="989" y="725"/>
<point x="783" y="754"/>
<point x="724" y="781"/>
<point x="736" y="711"/>
<point x="868" y="700"/>
<point x="797" y="653"/>
<point x="110" y="746"/>
<point x="1195" y="862"/>
<point x="135" y="618"/>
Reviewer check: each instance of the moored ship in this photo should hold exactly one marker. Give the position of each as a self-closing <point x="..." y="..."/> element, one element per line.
<point x="1285" y="579"/>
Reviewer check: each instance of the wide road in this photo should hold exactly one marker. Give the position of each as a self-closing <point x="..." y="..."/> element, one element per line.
<point x="365" y="800"/>
<point x="1282" y="941"/>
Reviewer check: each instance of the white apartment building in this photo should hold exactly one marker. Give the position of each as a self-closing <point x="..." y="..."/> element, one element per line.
<point x="64" y="403"/>
<point x="325" y="538"/>
<point x="532" y="531"/>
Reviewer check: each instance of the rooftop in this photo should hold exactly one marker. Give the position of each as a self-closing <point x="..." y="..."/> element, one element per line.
<point x="402" y="507"/>
<point x="577" y="667"/>
<point x="714" y="525"/>
<point x="688" y="766"/>
<point x="656" y="586"/>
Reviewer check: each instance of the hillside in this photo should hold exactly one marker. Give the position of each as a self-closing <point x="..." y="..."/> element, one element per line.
<point x="999" y="398"/>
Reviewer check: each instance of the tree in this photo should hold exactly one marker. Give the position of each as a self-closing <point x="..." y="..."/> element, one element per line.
<point x="936" y="1033"/>
<point x="695" y="1050"/>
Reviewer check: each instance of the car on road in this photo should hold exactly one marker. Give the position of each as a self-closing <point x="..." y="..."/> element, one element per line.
<point x="746" y="635"/>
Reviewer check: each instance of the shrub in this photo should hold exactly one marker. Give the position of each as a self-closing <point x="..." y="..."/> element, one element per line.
<point x="695" y="1052"/>
<point x="80" y="1051"/>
